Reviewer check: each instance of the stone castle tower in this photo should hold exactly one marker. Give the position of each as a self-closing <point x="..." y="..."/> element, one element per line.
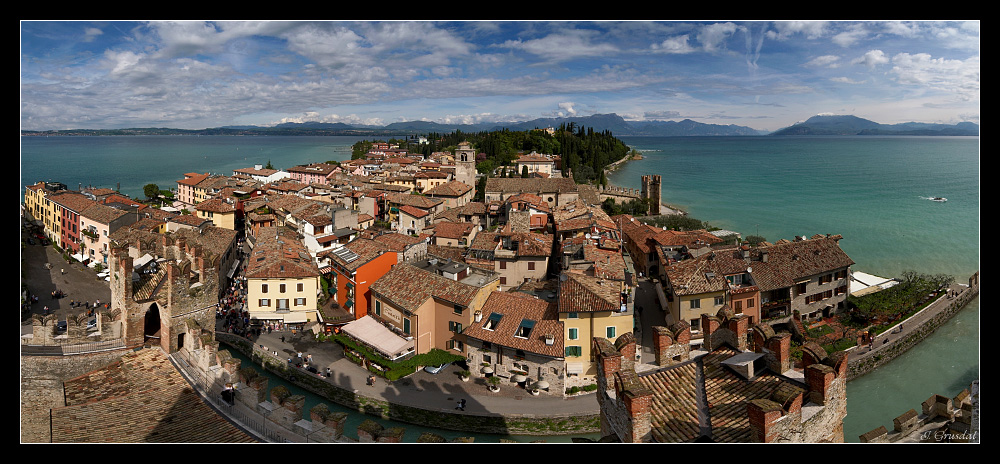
<point x="164" y="297"/>
<point x="651" y="190"/>
<point x="465" y="164"/>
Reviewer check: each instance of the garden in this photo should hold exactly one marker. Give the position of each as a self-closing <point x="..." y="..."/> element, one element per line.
<point x="392" y="370"/>
<point x="876" y="312"/>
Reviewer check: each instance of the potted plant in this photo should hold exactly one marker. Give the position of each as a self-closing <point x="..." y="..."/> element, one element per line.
<point x="464" y="375"/>
<point x="494" y="383"/>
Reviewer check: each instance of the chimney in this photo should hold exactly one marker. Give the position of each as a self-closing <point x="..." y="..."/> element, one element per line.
<point x="763" y="256"/>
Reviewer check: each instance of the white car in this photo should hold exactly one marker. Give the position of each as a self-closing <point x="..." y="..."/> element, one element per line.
<point x="436" y="369"/>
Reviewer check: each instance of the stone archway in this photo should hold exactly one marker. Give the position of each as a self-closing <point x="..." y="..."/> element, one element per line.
<point x="151" y="326"/>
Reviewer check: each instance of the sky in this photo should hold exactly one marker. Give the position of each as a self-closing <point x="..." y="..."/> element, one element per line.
<point x="766" y="75"/>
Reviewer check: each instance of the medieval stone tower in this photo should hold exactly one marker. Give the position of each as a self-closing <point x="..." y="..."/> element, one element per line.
<point x="465" y="164"/>
<point x="163" y="288"/>
<point x="651" y="191"/>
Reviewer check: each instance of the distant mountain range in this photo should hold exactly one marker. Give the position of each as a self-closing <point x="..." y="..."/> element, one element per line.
<point x="618" y="126"/>
<point x="853" y="125"/>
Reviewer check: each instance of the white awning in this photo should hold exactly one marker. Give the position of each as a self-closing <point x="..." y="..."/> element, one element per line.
<point x="574" y="368"/>
<point x="294" y="317"/>
<point x="374" y="334"/>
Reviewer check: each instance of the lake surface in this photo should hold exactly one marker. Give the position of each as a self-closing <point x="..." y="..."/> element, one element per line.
<point x="872" y="190"/>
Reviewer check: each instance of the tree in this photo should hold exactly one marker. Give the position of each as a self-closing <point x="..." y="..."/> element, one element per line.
<point x="524" y="171"/>
<point x="268" y="165"/>
<point x="151" y="191"/>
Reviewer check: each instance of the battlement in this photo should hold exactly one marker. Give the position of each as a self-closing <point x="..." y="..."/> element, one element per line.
<point x="941" y="420"/>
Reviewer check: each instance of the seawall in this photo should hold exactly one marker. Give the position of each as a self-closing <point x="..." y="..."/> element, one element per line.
<point x="930" y="318"/>
<point x="441" y="418"/>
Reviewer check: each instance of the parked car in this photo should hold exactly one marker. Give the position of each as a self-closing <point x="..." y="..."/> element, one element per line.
<point x="436" y="369"/>
<point x="60" y="326"/>
<point x="92" y="324"/>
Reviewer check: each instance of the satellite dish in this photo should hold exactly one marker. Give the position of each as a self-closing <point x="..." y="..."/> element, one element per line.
<point x="749" y="269"/>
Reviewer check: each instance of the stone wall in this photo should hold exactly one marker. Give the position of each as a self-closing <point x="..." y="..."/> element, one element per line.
<point x="515" y="424"/>
<point x="42" y="380"/>
<point x="941" y="420"/>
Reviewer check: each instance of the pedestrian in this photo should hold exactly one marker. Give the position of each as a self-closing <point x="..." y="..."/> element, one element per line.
<point x="282" y="339"/>
<point x="461" y="405"/>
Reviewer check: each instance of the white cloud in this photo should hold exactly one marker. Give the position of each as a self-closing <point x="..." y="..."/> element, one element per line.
<point x="956" y="77"/>
<point x="871" y="59"/>
<point x="563" y="46"/>
<point x="825" y="61"/>
<point x="713" y="36"/>
<point x="678" y="44"/>
<point x="846" y="80"/>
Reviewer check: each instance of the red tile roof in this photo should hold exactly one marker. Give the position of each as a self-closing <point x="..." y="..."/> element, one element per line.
<point x="141" y="399"/>
<point x="515" y="307"/>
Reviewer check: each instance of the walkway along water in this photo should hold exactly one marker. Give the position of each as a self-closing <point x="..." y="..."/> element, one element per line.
<point x="896" y="341"/>
<point x="422" y="399"/>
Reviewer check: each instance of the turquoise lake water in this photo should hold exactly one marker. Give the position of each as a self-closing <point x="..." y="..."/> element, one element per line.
<point x="872" y="190"/>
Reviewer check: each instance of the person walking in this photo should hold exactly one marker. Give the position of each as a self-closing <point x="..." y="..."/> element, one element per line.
<point x="461" y="405"/>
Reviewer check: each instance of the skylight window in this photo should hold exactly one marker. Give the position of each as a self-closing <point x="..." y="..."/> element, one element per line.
<point x="524" y="330"/>
<point x="492" y="321"/>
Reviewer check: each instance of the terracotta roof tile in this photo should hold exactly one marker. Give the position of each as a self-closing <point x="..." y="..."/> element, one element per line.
<point x="515" y="307"/>
<point x="141" y="399"/>
<point x="581" y="293"/>
<point x="408" y="287"/>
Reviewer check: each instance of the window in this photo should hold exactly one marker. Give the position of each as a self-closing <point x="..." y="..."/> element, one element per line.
<point x="282" y="304"/>
<point x="574" y="334"/>
<point x="524" y="330"/>
<point x="738" y="306"/>
<point x="300" y="302"/>
<point x="378" y="308"/>
<point x="695" y="304"/>
<point x="264" y="302"/>
<point x="263" y="288"/>
<point x="531" y="265"/>
<point x="298" y="287"/>
<point x="492" y="321"/>
<point x="503" y="265"/>
<point x="720" y="300"/>
<point x="574" y="351"/>
<point x="281" y="288"/>
<point x="610" y="332"/>
<point x="454" y="326"/>
<point x="503" y="280"/>
<point x="801" y="288"/>
<point x="572" y="316"/>
<point x="459" y="309"/>
<point x="750" y="303"/>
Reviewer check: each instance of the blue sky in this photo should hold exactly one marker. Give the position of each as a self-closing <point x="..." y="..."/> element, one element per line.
<point x="764" y="75"/>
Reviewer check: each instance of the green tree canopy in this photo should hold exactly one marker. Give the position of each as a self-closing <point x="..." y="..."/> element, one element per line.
<point x="151" y="191"/>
